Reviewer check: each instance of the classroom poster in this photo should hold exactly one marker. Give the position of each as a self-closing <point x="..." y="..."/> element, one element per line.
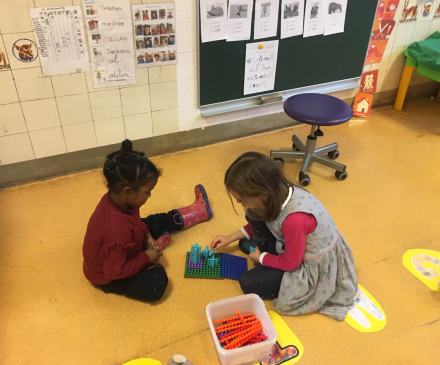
<point x="266" y="18"/>
<point x="260" y="67"/>
<point x="155" y="34"/>
<point x="426" y="10"/>
<point x="409" y="11"/>
<point x="60" y="39"/>
<point x="239" y="20"/>
<point x="382" y="30"/>
<point x="213" y="20"/>
<point x="362" y="104"/>
<point x="110" y="37"/>
<point x="369" y="82"/>
<point x="292" y="18"/>
<point x="314" y="18"/>
<point x="386" y="9"/>
<point x="335" y="16"/>
<point x="437" y="10"/>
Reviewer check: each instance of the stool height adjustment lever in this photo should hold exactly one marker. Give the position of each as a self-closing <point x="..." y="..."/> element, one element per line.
<point x="318" y="133"/>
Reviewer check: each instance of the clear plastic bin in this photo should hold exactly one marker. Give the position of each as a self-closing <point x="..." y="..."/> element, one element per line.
<point x="252" y="354"/>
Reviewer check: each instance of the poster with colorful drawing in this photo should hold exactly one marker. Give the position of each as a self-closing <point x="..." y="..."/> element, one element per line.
<point x="369" y="81"/>
<point x="437" y="10"/>
<point x="409" y="11"/>
<point x="362" y="104"/>
<point x="155" y="34"/>
<point x="375" y="52"/>
<point x="110" y="39"/>
<point x="386" y="9"/>
<point x="426" y="10"/>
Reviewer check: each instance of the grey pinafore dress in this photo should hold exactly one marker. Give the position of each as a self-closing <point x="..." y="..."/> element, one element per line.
<point x="326" y="280"/>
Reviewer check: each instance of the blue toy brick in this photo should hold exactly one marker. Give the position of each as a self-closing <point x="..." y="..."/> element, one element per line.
<point x="196" y="251"/>
<point x="232" y="266"/>
<point x="212" y="261"/>
<point x="252" y="249"/>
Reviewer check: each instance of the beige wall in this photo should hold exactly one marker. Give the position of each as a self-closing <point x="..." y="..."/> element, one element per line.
<point x="47" y="116"/>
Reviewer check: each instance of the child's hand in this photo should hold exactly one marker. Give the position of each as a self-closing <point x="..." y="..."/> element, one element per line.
<point x="151" y="242"/>
<point x="219" y="242"/>
<point x="255" y="256"/>
<point x="153" y="254"/>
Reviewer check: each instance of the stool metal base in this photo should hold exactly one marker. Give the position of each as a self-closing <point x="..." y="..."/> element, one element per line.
<point x="310" y="154"/>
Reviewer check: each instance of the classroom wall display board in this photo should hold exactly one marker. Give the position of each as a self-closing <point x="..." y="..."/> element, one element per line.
<point x="320" y="63"/>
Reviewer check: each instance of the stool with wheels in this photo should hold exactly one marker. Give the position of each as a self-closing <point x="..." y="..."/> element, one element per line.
<point x="317" y="110"/>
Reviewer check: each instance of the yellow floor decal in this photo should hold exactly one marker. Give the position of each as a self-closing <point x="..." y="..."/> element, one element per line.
<point x="425" y="265"/>
<point x="366" y="315"/>
<point x="288" y="348"/>
<point x="143" y="362"/>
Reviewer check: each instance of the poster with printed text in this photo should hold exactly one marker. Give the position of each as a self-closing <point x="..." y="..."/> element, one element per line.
<point x="266" y="18"/>
<point x="213" y="20"/>
<point x="110" y="38"/>
<point x="314" y="18"/>
<point x="60" y="39"/>
<point x="239" y="20"/>
<point x="260" y="67"/>
<point x="155" y="34"/>
<point x="292" y="18"/>
<point x="335" y="11"/>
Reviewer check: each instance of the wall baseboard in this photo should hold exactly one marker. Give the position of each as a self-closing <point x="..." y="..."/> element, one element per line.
<point x="69" y="163"/>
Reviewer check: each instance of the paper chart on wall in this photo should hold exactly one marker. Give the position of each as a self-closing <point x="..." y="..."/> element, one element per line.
<point x="110" y="39"/>
<point x="155" y="34"/>
<point x="314" y="18"/>
<point x="335" y="11"/>
<point x="239" y="20"/>
<point x="292" y="18"/>
<point x="213" y="20"/>
<point x="60" y="39"/>
<point x="260" y="67"/>
<point x="266" y="18"/>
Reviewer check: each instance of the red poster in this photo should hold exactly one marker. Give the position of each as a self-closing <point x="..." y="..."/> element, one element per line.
<point x="369" y="81"/>
<point x="390" y="10"/>
<point x="362" y="105"/>
<point x="382" y="29"/>
<point x="376" y="50"/>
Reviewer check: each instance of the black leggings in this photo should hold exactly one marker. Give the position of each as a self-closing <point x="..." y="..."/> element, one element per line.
<point x="159" y="223"/>
<point x="262" y="280"/>
<point x="149" y="284"/>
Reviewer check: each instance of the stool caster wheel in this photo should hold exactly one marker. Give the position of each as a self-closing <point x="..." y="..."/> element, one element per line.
<point x="279" y="161"/>
<point x="294" y="147"/>
<point x="304" y="179"/>
<point x="341" y="175"/>
<point x="333" y="154"/>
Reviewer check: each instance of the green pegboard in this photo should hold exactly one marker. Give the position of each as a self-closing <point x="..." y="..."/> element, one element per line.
<point x="207" y="272"/>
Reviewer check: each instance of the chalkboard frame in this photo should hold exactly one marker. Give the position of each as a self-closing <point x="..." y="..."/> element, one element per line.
<point x="210" y="104"/>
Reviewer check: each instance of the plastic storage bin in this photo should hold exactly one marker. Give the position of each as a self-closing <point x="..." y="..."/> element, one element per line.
<point x="252" y="354"/>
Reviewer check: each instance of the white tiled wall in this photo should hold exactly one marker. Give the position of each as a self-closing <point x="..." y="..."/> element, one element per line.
<point x="44" y="116"/>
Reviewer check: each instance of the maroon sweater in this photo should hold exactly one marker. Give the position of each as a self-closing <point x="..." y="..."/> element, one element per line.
<point x="114" y="243"/>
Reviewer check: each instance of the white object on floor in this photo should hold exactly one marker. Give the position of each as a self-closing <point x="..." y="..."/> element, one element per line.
<point x="179" y="359"/>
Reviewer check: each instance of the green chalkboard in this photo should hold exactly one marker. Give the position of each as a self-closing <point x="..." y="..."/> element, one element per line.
<point x="301" y="61"/>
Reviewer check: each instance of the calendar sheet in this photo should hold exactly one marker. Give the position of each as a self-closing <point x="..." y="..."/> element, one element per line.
<point x="60" y="39"/>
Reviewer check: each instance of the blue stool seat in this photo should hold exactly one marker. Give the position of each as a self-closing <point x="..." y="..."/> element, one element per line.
<point x="316" y="110"/>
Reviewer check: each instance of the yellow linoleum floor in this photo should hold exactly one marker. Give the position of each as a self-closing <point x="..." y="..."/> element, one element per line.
<point x="50" y="314"/>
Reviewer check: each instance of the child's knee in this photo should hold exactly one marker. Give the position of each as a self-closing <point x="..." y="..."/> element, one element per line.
<point x="245" y="282"/>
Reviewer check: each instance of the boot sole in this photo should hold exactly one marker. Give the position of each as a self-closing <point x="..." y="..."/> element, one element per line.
<point x="205" y="198"/>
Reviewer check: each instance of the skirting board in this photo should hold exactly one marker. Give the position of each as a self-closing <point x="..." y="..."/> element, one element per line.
<point x="66" y="164"/>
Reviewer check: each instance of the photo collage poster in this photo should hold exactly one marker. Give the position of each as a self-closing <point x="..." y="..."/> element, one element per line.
<point x="110" y="38"/>
<point x="155" y="34"/>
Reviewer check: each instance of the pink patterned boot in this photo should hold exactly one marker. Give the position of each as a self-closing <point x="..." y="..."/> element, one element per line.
<point x="163" y="240"/>
<point x="199" y="211"/>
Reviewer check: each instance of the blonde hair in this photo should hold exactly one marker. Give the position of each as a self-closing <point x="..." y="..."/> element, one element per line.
<point x="256" y="175"/>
